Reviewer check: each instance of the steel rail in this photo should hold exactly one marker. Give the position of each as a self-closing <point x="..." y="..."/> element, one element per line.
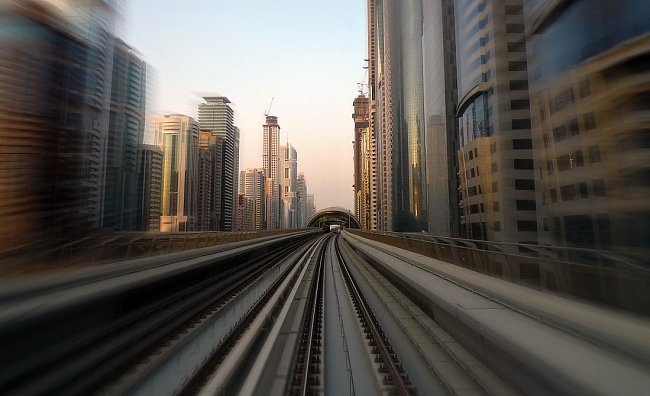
<point x="205" y="379"/>
<point x="399" y="382"/>
<point x="315" y="311"/>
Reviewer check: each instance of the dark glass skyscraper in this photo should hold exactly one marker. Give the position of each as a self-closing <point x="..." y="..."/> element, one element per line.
<point x="401" y="125"/>
<point x="440" y="100"/>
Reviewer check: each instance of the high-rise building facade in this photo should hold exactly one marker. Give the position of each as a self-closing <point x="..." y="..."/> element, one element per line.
<point x="43" y="98"/>
<point x="311" y="208"/>
<point x="362" y="151"/>
<point x="589" y="68"/>
<point x="440" y="100"/>
<point x="206" y="165"/>
<point x="125" y="134"/>
<point x="495" y="154"/>
<point x="288" y="187"/>
<point x="270" y="166"/>
<point x="180" y="145"/>
<point x="397" y="67"/>
<point x="150" y="188"/>
<point x="301" y="196"/>
<point x="216" y="116"/>
<point x="372" y="118"/>
<point x="211" y="146"/>
<point x="251" y="185"/>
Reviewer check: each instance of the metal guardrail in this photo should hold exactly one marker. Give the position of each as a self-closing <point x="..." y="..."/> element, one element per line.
<point x="587" y="274"/>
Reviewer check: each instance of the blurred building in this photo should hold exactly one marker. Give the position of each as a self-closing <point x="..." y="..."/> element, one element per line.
<point x="150" y="188"/>
<point x="245" y="213"/>
<point x="440" y="101"/>
<point x="216" y="116"/>
<point x="495" y="148"/>
<point x="252" y="187"/>
<point x="43" y="127"/>
<point x="205" y="183"/>
<point x="270" y="166"/>
<point x="590" y="100"/>
<point x="288" y="187"/>
<point x="211" y="149"/>
<point x="125" y="134"/>
<point x="362" y="161"/>
<point x="180" y="145"/>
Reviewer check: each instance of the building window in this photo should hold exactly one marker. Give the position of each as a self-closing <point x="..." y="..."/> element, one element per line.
<point x="471" y="172"/>
<point x="584" y="191"/>
<point x="523" y="163"/>
<point x="599" y="187"/>
<point x="477" y="174"/>
<point x="524" y="184"/>
<point x="473" y="209"/>
<point x="549" y="167"/>
<point x="514" y="28"/>
<point x="525" y="204"/>
<point x="553" y="193"/>
<point x="495" y="187"/>
<point x="497" y="226"/>
<point x="589" y="121"/>
<point x="517" y="66"/>
<point x="519" y="104"/>
<point x="574" y="127"/>
<point x="562" y="100"/>
<point x="568" y="192"/>
<point x="519" y="46"/>
<point x="286" y="173"/>
<point x="493" y="167"/>
<point x="493" y="148"/>
<point x="521" y="123"/>
<point x="594" y="154"/>
<point x="471" y="191"/>
<point x="518" y="85"/>
<point x="559" y="133"/>
<point x="526" y="225"/>
<point x="495" y="206"/>
<point x="547" y="141"/>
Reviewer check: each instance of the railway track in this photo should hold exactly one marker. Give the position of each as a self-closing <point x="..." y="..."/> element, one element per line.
<point x="305" y="315"/>
<point x="82" y="338"/>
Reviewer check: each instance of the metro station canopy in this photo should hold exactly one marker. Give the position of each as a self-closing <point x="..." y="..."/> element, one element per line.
<point x="334" y="215"/>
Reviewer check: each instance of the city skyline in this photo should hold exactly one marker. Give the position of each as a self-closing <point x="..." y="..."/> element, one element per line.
<point x="310" y="77"/>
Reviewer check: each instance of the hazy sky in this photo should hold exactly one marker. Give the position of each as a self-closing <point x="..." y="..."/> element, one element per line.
<point x="307" y="54"/>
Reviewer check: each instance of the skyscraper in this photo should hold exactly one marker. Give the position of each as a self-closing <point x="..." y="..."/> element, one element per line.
<point x="495" y="147"/>
<point x="301" y="197"/>
<point x="180" y="139"/>
<point x="125" y="134"/>
<point x="362" y="161"/>
<point x="288" y="184"/>
<point x="205" y="183"/>
<point x="401" y="139"/>
<point x="217" y="116"/>
<point x="589" y="63"/>
<point x="43" y="98"/>
<point x="440" y="100"/>
<point x="212" y="148"/>
<point x="373" y="122"/>
<point x="252" y="187"/>
<point x="270" y="166"/>
<point x="150" y="188"/>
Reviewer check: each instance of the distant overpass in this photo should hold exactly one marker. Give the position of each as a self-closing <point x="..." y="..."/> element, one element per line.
<point x="334" y="215"/>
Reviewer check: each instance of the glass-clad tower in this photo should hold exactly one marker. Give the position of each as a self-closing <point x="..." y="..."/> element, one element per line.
<point x="400" y="115"/>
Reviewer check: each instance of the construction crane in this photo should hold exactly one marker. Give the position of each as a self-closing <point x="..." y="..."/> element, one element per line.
<point x="268" y="111"/>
